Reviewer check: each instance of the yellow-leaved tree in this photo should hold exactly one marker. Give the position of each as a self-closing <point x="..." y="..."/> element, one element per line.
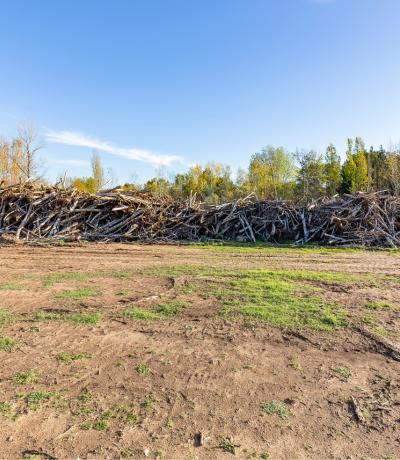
<point x="10" y="155"/>
<point x="272" y="171"/>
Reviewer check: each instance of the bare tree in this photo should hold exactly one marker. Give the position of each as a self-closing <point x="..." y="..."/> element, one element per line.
<point x="30" y="164"/>
<point x="97" y="171"/>
<point x="111" y="175"/>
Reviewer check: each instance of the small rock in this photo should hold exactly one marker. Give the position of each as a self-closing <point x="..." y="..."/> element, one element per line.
<point x="146" y="452"/>
<point x="10" y="438"/>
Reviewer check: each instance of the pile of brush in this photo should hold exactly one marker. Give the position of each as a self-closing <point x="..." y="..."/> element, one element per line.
<point x="34" y="212"/>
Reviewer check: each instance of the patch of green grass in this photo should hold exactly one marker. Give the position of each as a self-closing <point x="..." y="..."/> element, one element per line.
<point x="170" y="309"/>
<point x="380" y="306"/>
<point x="367" y="319"/>
<point x="159" y="453"/>
<point x="156" y="312"/>
<point x="147" y="404"/>
<point x="101" y="425"/>
<point x="6" y="317"/>
<point x="83" y="292"/>
<point x="142" y="368"/>
<point x="23" y="378"/>
<point x="123" y="293"/>
<point x="121" y="364"/>
<point x="76" y="318"/>
<point x="12" y="286"/>
<point x="169" y="424"/>
<point x="120" y="273"/>
<point x="233" y="246"/>
<point x="141" y="315"/>
<point x="345" y="372"/>
<point x="39" y="396"/>
<point x="130" y="416"/>
<point x="86" y="426"/>
<point x="276" y="407"/>
<point x="4" y="407"/>
<point x="274" y="297"/>
<point x="378" y="331"/>
<point x="8" y="344"/>
<point x="49" y="280"/>
<point x="69" y="357"/>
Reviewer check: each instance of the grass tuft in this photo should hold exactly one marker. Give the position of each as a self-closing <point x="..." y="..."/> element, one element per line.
<point x="380" y="306"/>
<point x="69" y="357"/>
<point x="8" y="344"/>
<point x="143" y="369"/>
<point x="76" y="318"/>
<point x="276" y="407"/>
<point x="156" y="312"/>
<point x="101" y="425"/>
<point x="13" y="286"/>
<point x="170" y="309"/>
<point x="6" y="317"/>
<point x="26" y="377"/>
<point x="141" y="315"/>
<point x="83" y="292"/>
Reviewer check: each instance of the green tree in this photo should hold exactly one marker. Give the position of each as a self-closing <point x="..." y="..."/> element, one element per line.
<point x="393" y="169"/>
<point x="380" y="168"/>
<point x="355" y="169"/>
<point x="310" y="178"/>
<point x="271" y="171"/>
<point x="332" y="170"/>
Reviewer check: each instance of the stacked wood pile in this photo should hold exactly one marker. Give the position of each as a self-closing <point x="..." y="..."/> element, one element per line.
<point x="32" y="212"/>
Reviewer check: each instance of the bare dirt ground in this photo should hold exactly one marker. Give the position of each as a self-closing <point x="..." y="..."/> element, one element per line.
<point x="127" y="351"/>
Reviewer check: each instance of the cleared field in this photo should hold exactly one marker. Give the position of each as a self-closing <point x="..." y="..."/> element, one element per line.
<point x="128" y="350"/>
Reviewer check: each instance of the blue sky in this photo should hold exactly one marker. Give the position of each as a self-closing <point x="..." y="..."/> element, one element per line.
<point x="183" y="82"/>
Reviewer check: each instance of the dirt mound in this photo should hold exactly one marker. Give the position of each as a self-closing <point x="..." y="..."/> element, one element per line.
<point x="9" y="239"/>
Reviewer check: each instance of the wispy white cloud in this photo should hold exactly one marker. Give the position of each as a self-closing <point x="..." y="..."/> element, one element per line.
<point x="77" y="163"/>
<point x="79" y="139"/>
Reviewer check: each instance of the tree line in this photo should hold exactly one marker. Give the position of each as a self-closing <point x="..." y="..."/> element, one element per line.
<point x="274" y="172"/>
<point x="277" y="173"/>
